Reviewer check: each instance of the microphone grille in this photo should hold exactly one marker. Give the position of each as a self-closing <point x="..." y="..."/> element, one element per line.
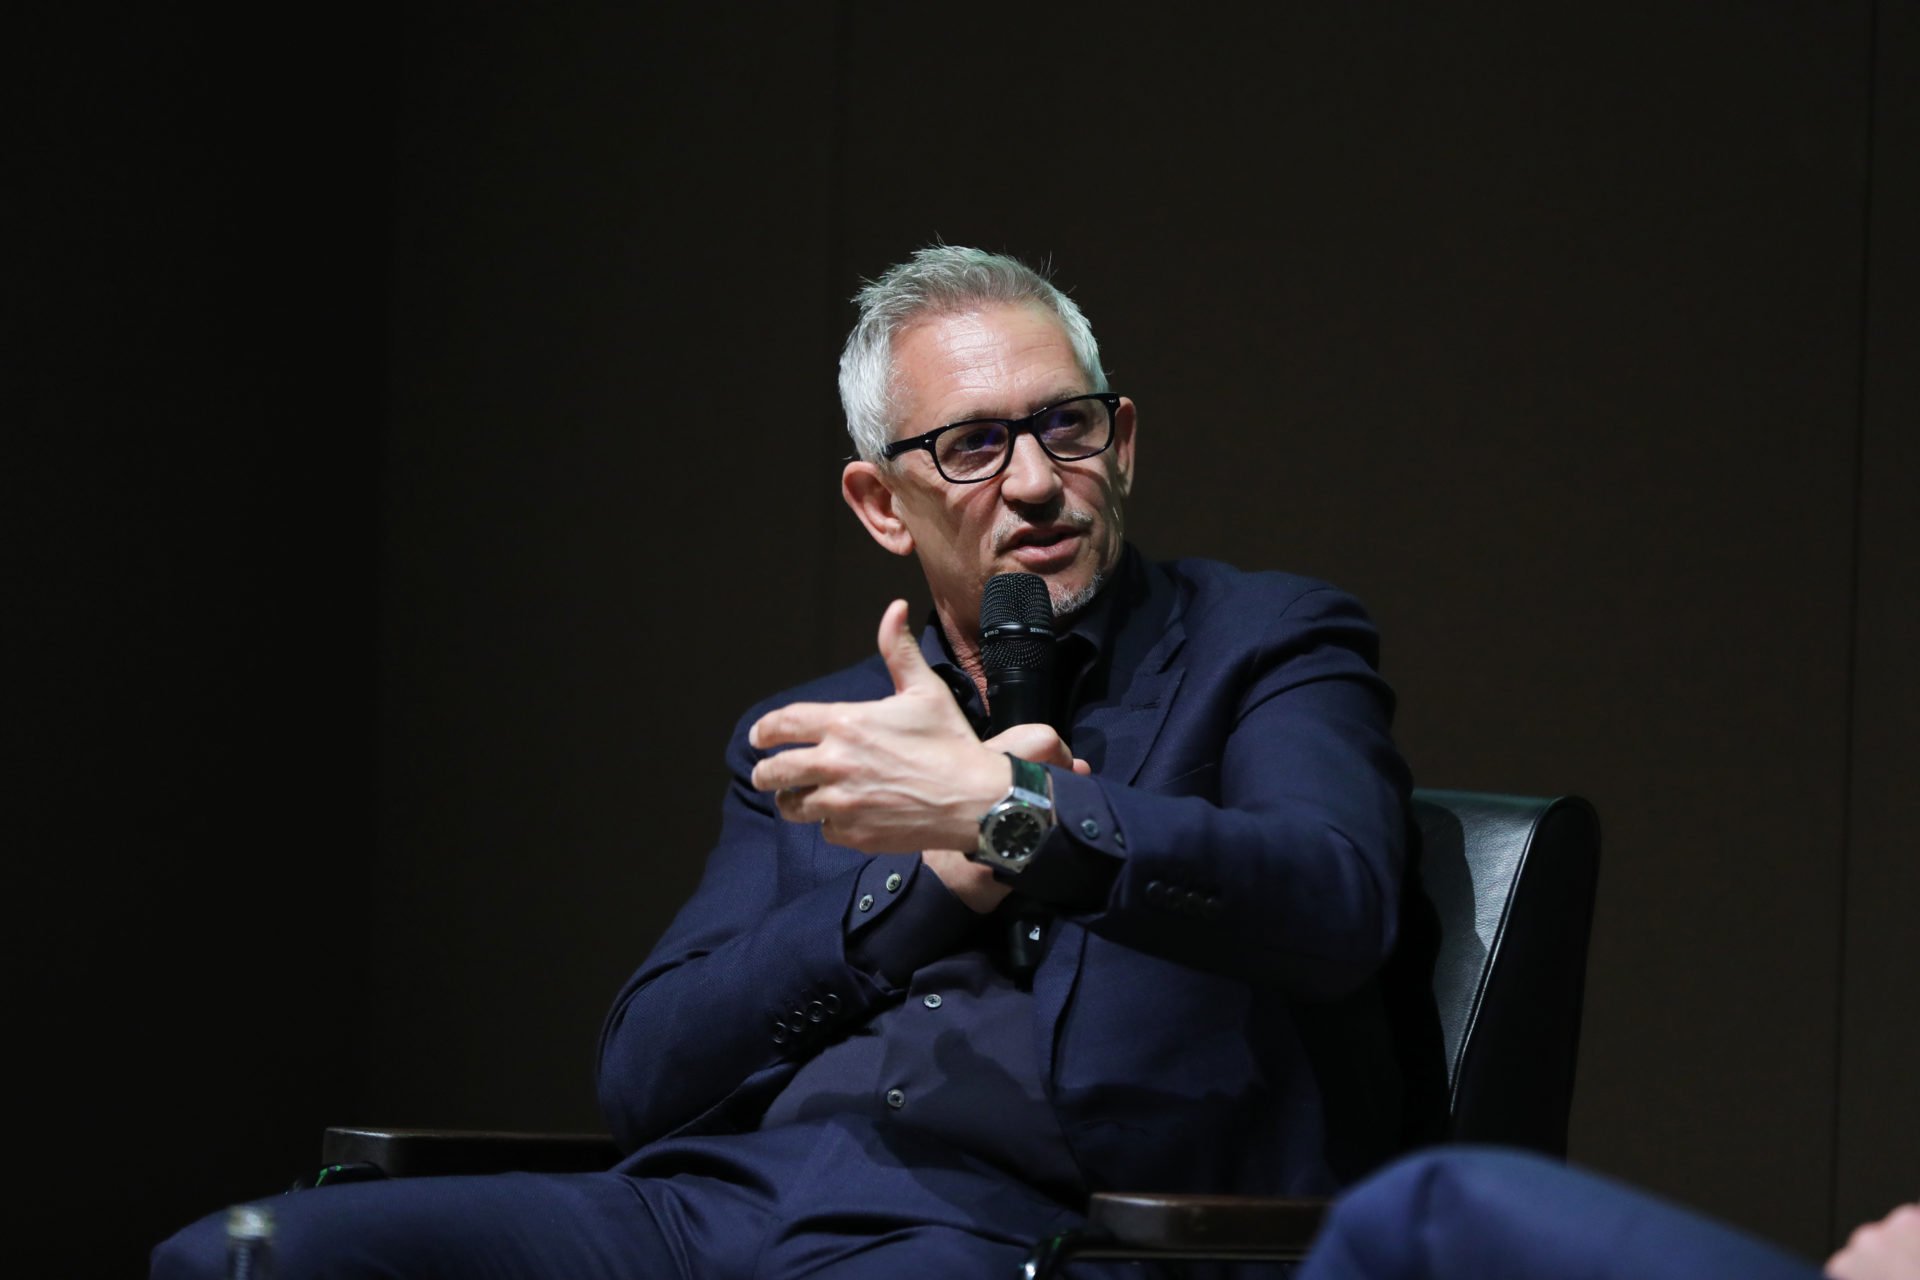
<point x="1016" y="622"/>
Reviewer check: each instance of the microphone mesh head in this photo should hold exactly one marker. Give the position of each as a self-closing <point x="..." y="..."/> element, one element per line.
<point x="1016" y="622"/>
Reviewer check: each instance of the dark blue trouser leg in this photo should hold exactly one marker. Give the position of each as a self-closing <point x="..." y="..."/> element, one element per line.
<point x="601" y="1226"/>
<point x="1483" y="1214"/>
<point x="515" y="1226"/>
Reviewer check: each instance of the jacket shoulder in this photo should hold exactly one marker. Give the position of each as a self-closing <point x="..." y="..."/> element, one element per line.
<point x="1210" y="586"/>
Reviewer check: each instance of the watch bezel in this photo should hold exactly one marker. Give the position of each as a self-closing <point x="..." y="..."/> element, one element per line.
<point x="1035" y="806"/>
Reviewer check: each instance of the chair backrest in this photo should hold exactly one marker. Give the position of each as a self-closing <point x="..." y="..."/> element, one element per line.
<point x="1511" y="880"/>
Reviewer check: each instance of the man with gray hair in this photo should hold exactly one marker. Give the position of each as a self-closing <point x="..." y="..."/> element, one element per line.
<point x="840" y="1058"/>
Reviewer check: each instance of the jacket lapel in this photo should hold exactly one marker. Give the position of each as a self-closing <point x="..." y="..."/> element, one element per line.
<point x="1116" y="740"/>
<point x="1121" y="735"/>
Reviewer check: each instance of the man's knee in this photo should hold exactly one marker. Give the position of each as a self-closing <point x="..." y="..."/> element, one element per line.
<point x="1379" y="1226"/>
<point x="1409" y="1187"/>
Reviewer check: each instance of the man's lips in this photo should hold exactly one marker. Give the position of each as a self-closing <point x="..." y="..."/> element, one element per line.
<point x="1041" y="537"/>
<point x="1038" y="548"/>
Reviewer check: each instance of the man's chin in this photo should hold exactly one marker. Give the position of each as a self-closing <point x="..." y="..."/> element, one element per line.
<point x="1068" y="599"/>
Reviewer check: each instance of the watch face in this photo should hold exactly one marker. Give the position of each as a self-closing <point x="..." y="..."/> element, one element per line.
<point x="1017" y="834"/>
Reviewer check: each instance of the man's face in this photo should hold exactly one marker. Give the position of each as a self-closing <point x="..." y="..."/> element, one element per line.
<point x="1060" y="520"/>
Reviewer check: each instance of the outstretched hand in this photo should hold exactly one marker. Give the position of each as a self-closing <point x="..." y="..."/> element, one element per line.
<point x="898" y="774"/>
<point x="895" y="775"/>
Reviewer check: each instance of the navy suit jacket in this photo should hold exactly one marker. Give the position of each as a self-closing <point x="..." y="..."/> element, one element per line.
<point x="1214" y="1019"/>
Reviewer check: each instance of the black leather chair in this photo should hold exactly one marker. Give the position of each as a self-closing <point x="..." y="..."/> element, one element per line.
<point x="1511" y="881"/>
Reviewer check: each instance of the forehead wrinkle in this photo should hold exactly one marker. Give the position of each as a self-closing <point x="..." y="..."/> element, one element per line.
<point x="1034" y="404"/>
<point x="984" y="364"/>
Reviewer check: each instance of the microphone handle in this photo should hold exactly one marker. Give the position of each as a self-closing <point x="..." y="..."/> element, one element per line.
<point x="1019" y="696"/>
<point x="1026" y="933"/>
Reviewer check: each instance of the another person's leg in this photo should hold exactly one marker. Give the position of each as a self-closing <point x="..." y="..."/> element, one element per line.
<point x="515" y="1226"/>
<point x="1481" y="1214"/>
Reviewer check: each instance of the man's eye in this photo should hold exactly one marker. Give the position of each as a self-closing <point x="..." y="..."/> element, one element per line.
<point x="1068" y="421"/>
<point x="978" y="439"/>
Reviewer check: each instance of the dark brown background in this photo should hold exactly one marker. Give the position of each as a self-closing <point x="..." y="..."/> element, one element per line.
<point x="422" y="444"/>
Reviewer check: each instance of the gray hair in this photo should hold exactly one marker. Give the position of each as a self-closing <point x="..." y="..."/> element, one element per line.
<point x="939" y="280"/>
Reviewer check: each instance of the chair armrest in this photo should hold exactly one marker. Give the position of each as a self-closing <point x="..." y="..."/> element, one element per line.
<point x="1264" y="1226"/>
<point x="1150" y="1227"/>
<point x="409" y="1153"/>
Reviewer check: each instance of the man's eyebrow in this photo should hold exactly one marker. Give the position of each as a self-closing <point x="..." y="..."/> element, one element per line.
<point x="1035" y="406"/>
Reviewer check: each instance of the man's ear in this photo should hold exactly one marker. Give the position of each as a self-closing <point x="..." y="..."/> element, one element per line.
<point x="864" y="487"/>
<point x="1125" y="421"/>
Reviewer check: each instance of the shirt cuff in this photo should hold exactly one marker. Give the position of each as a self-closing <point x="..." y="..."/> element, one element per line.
<point x="902" y="917"/>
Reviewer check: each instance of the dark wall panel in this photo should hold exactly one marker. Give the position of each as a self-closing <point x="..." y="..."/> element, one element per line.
<point x="190" y="399"/>
<point x="1878" y="1112"/>
<point x="610" y="366"/>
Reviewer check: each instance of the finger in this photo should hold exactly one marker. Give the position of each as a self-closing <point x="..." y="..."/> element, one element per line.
<point x="802" y="722"/>
<point x="900" y="649"/>
<point x="789" y="771"/>
<point x="792" y="803"/>
<point x="1082" y="768"/>
<point x="1035" y="742"/>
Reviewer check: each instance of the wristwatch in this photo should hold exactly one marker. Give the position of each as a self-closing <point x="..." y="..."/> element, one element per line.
<point x="1012" y="830"/>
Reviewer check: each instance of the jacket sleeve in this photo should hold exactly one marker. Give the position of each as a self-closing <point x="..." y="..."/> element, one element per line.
<point x="1272" y="845"/>
<point x="786" y="942"/>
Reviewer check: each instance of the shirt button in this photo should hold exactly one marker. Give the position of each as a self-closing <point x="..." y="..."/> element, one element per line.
<point x="1120" y="838"/>
<point x="893" y="883"/>
<point x="896" y="1099"/>
<point x="866" y="902"/>
<point x="931" y="1000"/>
<point x="1090" y="828"/>
<point x="816" y="1012"/>
<point x="832" y="1002"/>
<point x="780" y="1033"/>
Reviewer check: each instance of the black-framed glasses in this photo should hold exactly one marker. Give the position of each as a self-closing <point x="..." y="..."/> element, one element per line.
<point x="980" y="448"/>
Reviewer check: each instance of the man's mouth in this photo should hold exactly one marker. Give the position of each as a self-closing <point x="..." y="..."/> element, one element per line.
<point x="1041" y="549"/>
<point x="1041" y="537"/>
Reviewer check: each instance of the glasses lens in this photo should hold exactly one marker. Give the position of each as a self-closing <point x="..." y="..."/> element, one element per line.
<point x="970" y="450"/>
<point x="1075" y="428"/>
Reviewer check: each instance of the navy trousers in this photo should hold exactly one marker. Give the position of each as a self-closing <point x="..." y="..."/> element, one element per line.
<point x="1485" y="1214"/>
<point x="827" y="1200"/>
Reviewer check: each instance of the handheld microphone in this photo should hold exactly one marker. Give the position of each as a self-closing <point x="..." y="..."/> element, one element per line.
<point x="1016" y="646"/>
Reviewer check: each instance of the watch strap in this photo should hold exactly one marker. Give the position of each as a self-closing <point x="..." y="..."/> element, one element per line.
<point x="1028" y="776"/>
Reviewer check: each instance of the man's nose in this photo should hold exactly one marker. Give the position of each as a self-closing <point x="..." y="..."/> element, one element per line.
<point x="1032" y="476"/>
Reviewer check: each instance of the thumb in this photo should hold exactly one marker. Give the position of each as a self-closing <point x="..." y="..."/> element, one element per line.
<point x="901" y="651"/>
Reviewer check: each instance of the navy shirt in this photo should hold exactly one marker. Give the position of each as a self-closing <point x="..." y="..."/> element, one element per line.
<point x="953" y="1057"/>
